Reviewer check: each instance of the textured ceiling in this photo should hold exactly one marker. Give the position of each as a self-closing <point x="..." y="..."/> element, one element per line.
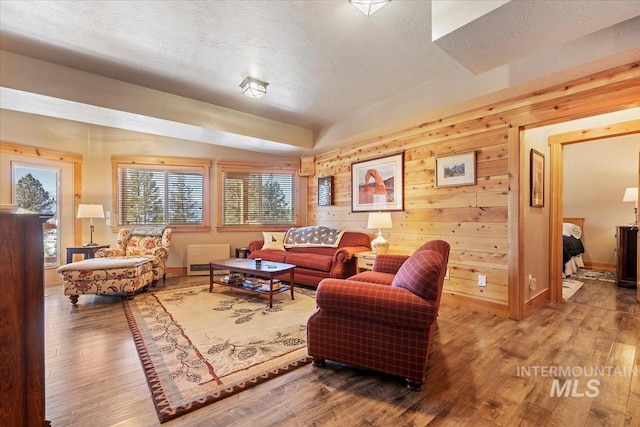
<point x="331" y="70"/>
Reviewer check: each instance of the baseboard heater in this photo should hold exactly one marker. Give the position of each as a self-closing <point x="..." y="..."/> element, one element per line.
<point x="199" y="256"/>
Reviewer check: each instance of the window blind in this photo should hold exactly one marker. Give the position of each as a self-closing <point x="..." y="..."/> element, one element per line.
<point x="148" y="195"/>
<point x="255" y="198"/>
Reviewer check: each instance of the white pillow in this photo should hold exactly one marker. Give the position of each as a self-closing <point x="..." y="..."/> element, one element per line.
<point x="273" y="240"/>
<point x="569" y="229"/>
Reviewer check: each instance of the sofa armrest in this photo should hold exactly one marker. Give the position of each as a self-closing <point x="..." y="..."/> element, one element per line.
<point x="389" y="263"/>
<point x="379" y="303"/>
<point x="345" y="253"/>
<point x="109" y="252"/>
<point x="255" y="245"/>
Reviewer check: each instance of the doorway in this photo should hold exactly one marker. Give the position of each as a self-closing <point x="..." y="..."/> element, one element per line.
<point x="556" y="144"/>
<point x="48" y="177"/>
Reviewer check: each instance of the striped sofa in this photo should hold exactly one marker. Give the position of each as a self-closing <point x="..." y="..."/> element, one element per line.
<point x="383" y="319"/>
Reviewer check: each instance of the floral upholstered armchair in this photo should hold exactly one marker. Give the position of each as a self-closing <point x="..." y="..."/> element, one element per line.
<point x="151" y="242"/>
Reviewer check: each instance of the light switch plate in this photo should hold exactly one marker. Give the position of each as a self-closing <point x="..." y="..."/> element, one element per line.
<point x="482" y="280"/>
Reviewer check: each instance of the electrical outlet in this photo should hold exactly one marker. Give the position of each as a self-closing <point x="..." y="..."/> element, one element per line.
<point x="446" y="275"/>
<point x="532" y="283"/>
<point x="482" y="280"/>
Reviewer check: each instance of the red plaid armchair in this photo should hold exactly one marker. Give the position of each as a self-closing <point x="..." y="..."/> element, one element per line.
<point x="383" y="319"/>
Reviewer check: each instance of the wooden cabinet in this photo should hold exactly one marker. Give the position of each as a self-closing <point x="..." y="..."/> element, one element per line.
<point x="626" y="255"/>
<point x="22" y="390"/>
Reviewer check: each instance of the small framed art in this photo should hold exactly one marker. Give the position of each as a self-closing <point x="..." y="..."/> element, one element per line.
<point x="458" y="169"/>
<point x="537" y="179"/>
<point x="325" y="191"/>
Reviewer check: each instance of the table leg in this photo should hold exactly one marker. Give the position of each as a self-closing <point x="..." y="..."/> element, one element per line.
<point x="271" y="292"/>
<point x="291" y="283"/>
<point x="210" y="278"/>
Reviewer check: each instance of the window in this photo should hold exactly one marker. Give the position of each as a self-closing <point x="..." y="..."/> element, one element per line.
<point x="36" y="190"/>
<point x="172" y="191"/>
<point x="260" y="195"/>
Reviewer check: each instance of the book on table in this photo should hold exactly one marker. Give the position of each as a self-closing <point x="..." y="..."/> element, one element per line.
<point x="252" y="282"/>
<point x="267" y="286"/>
<point x="232" y="279"/>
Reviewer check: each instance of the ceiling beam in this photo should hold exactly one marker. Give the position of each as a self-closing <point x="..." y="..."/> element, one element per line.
<point x="32" y="86"/>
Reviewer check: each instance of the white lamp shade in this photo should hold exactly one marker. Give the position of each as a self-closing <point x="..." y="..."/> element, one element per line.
<point x="90" y="211"/>
<point x="630" y="194"/>
<point x="378" y="220"/>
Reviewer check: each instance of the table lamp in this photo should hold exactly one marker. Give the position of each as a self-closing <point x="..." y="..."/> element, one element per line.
<point x="379" y="220"/>
<point x="90" y="211"/>
<point x="631" y="195"/>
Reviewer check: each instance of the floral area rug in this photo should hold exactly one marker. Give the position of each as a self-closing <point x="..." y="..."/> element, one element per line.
<point x="570" y="287"/>
<point x="198" y="347"/>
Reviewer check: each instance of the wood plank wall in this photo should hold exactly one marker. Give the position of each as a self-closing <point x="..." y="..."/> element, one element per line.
<point x="476" y="220"/>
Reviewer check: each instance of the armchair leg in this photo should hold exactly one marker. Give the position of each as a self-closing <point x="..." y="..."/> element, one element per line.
<point x="318" y="362"/>
<point x="414" y="385"/>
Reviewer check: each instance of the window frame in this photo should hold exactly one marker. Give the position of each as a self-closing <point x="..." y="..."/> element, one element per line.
<point x="167" y="164"/>
<point x="262" y="168"/>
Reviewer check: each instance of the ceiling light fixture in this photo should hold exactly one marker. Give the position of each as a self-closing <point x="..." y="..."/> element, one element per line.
<point x="253" y="88"/>
<point x="369" y="7"/>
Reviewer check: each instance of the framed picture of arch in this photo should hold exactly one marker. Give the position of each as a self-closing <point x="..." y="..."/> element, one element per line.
<point x="378" y="184"/>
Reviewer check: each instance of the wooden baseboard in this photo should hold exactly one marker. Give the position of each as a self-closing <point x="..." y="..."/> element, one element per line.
<point x="177" y="271"/>
<point x="600" y="266"/>
<point x="536" y="302"/>
<point x="475" y="304"/>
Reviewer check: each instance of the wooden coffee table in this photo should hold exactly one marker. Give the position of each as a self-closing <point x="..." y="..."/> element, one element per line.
<point x="267" y="270"/>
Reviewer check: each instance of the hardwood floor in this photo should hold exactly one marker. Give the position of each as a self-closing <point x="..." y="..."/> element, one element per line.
<point x="476" y="374"/>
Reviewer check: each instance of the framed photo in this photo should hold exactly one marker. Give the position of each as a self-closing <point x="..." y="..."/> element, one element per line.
<point x="537" y="179"/>
<point x="378" y="184"/>
<point x="325" y="191"/>
<point x="458" y="169"/>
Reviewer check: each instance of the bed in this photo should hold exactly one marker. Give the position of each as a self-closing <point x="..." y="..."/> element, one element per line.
<point x="572" y="247"/>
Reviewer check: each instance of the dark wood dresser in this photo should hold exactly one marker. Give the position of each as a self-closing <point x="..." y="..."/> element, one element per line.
<point x="22" y="392"/>
<point x="627" y="255"/>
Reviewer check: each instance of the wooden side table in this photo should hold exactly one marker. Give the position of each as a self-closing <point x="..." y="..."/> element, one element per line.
<point x="242" y="252"/>
<point x="364" y="261"/>
<point x="86" y="251"/>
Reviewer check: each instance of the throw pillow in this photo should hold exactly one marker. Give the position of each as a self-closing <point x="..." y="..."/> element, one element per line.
<point x="273" y="240"/>
<point x="419" y="274"/>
